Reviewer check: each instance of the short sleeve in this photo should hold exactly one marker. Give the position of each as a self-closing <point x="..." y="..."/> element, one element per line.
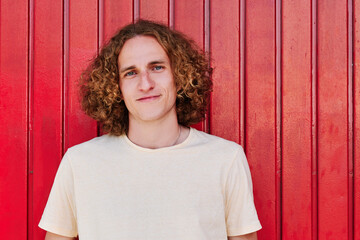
<point x="59" y="216"/>
<point x="241" y="215"/>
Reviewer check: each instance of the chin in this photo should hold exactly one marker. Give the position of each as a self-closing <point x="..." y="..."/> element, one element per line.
<point x="154" y="114"/>
<point x="150" y="118"/>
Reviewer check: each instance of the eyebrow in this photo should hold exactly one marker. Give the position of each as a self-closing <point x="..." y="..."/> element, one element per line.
<point x="127" y="68"/>
<point x="156" y="62"/>
<point x="160" y="61"/>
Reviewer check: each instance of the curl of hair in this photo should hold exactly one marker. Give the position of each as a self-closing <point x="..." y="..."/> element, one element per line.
<point x="100" y="93"/>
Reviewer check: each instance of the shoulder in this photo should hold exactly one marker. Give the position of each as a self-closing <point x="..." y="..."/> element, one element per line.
<point x="217" y="149"/>
<point x="215" y="142"/>
<point x="95" y="148"/>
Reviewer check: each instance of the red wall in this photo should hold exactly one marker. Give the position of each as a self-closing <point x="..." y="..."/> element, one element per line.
<point x="286" y="87"/>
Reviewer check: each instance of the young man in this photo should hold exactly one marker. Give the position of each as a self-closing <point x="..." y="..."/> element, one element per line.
<point x="151" y="176"/>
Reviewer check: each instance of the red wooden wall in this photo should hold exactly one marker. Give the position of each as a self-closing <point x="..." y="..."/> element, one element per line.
<point x="286" y="87"/>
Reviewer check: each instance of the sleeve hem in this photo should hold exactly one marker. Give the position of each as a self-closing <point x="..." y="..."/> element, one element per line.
<point x="57" y="230"/>
<point x="244" y="230"/>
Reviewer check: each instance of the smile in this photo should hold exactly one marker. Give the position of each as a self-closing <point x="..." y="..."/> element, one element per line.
<point x="148" y="98"/>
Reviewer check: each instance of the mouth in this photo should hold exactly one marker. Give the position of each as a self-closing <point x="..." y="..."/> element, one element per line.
<point x="148" y="98"/>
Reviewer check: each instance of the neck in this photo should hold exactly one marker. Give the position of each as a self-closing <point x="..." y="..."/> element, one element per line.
<point x="157" y="134"/>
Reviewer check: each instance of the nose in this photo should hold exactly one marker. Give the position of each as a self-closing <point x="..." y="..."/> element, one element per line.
<point x="146" y="83"/>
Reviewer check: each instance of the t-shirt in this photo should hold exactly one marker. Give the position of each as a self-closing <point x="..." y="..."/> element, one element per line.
<point x="110" y="188"/>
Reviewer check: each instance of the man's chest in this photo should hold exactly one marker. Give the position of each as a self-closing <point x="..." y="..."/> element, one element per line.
<point x="151" y="197"/>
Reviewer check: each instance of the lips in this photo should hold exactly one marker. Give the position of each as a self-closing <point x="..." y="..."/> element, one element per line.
<point x="148" y="98"/>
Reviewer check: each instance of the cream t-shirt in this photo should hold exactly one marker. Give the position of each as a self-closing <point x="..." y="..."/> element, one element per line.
<point x="110" y="188"/>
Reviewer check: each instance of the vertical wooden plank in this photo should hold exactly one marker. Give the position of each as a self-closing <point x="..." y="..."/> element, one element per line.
<point x="356" y="51"/>
<point x="171" y="13"/>
<point x="47" y="105"/>
<point x="30" y="156"/>
<point x="278" y="117"/>
<point x="189" y="19"/>
<point x="350" y="110"/>
<point x="83" y="45"/>
<point x="101" y="24"/>
<point x="296" y="91"/>
<point x="242" y="71"/>
<point x="13" y="112"/>
<point x="155" y="10"/>
<point x="224" y="47"/>
<point x="332" y="120"/>
<point x="136" y="9"/>
<point x="260" y="109"/>
<point x="314" y="122"/>
<point x="113" y="20"/>
<point x="110" y="21"/>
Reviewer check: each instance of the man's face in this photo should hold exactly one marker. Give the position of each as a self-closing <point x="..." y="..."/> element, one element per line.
<point x="146" y="80"/>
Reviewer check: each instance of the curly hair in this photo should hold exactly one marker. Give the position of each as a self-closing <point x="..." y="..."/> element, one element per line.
<point x="101" y="97"/>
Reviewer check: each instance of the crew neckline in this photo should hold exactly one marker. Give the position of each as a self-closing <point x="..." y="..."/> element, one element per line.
<point x="133" y="145"/>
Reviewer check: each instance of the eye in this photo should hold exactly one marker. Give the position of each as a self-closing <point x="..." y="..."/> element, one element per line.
<point x="158" y="68"/>
<point x="129" y="74"/>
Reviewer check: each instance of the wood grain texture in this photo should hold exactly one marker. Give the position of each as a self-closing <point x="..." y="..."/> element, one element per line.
<point x="14" y="118"/>
<point x="296" y="120"/>
<point x="332" y="119"/>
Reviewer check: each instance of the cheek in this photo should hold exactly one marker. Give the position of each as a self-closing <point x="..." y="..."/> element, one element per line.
<point x="124" y="90"/>
<point x="120" y="86"/>
<point x="170" y="81"/>
<point x="173" y="92"/>
<point x="124" y="87"/>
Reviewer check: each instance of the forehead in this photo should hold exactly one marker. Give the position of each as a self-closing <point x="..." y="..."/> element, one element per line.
<point x="141" y="49"/>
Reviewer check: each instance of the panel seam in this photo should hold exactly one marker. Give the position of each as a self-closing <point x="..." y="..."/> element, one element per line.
<point x="136" y="10"/>
<point x="30" y="107"/>
<point x="314" y="124"/>
<point x="207" y="47"/>
<point x="171" y="14"/>
<point x="242" y="72"/>
<point x="278" y="117"/>
<point x="350" y="120"/>
<point x="207" y="42"/>
<point x="100" y="39"/>
<point x="66" y="40"/>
